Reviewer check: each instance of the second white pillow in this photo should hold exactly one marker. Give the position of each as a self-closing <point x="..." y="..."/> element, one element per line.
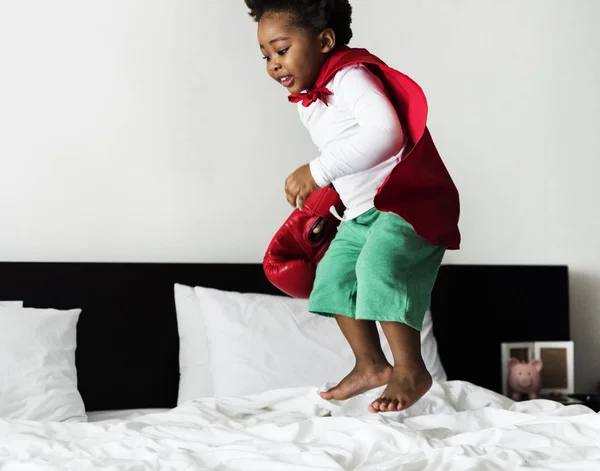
<point x="260" y="342"/>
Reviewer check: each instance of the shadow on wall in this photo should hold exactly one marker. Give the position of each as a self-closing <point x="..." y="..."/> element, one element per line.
<point x="584" y="294"/>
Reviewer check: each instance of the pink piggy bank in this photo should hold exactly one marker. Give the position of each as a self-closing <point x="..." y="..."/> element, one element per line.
<point x="524" y="378"/>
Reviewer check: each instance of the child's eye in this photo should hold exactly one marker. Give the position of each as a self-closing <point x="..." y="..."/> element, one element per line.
<point x="283" y="51"/>
<point x="266" y="58"/>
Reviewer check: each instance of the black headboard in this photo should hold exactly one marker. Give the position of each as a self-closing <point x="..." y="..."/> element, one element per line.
<point x="128" y="347"/>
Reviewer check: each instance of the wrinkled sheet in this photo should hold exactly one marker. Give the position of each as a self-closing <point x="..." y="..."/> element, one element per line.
<point x="455" y="426"/>
<point x="118" y="415"/>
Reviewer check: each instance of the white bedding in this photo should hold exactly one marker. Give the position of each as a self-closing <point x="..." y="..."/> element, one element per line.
<point x="116" y="415"/>
<point x="455" y="426"/>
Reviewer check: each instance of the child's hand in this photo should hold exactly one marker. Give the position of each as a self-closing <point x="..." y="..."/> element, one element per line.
<point x="299" y="185"/>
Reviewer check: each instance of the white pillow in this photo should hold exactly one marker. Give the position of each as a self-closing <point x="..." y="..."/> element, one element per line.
<point x="11" y="303"/>
<point x="195" y="379"/>
<point x="260" y="342"/>
<point x="38" y="377"/>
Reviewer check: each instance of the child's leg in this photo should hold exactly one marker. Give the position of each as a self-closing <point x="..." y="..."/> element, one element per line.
<point x="410" y="379"/>
<point x="396" y="271"/>
<point x="334" y="295"/>
<point x="372" y="369"/>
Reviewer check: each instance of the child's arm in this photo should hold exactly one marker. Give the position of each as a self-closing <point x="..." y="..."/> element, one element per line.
<point x="381" y="135"/>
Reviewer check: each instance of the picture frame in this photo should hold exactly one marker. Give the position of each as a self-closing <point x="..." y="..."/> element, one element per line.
<point x="558" y="368"/>
<point x="558" y="375"/>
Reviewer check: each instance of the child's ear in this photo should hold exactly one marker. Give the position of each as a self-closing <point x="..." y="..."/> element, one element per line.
<point x="327" y="40"/>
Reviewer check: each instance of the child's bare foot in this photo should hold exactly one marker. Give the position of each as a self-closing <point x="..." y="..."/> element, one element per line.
<point x="362" y="378"/>
<point x="406" y="386"/>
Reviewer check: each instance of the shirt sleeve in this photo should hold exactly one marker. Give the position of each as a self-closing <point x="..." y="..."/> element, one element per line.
<point x="380" y="133"/>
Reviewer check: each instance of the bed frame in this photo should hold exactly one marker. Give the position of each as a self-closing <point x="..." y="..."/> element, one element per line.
<point x="128" y="347"/>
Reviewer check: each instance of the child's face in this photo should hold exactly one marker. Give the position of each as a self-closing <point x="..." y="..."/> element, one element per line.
<point x="293" y="55"/>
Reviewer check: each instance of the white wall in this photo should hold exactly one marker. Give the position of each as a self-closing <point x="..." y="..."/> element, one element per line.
<point x="148" y="131"/>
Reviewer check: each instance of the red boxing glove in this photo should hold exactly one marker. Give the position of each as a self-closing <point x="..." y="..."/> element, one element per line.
<point x="291" y="260"/>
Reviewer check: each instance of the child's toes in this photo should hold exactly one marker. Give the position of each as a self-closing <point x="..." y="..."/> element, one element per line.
<point x="402" y="404"/>
<point x="375" y="406"/>
<point x="385" y="404"/>
<point x="393" y="405"/>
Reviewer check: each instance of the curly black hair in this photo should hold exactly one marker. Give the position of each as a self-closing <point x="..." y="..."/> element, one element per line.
<point x="314" y="15"/>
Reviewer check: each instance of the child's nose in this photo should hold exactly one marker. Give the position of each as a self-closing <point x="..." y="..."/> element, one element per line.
<point x="275" y="66"/>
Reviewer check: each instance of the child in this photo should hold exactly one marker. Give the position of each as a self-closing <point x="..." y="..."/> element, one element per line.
<point x="379" y="267"/>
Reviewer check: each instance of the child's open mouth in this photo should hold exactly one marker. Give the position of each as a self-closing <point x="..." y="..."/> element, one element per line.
<point x="287" y="81"/>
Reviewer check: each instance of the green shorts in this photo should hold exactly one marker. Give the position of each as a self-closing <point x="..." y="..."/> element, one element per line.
<point x="377" y="268"/>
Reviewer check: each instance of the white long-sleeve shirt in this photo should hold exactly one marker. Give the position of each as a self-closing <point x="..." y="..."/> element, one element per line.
<point x="359" y="136"/>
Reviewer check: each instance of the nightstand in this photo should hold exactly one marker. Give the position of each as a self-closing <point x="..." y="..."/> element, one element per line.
<point x="589" y="400"/>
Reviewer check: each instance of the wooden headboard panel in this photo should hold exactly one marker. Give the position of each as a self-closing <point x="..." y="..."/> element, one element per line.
<point x="128" y="347"/>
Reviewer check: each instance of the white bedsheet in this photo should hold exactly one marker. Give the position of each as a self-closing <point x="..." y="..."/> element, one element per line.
<point x="455" y="426"/>
<point x="119" y="415"/>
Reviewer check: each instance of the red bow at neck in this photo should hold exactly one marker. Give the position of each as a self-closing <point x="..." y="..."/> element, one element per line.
<point x="309" y="97"/>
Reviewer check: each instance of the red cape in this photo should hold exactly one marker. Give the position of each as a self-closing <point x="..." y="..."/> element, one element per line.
<point x="419" y="189"/>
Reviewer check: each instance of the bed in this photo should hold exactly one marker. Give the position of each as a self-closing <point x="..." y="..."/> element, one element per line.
<point x="132" y="345"/>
